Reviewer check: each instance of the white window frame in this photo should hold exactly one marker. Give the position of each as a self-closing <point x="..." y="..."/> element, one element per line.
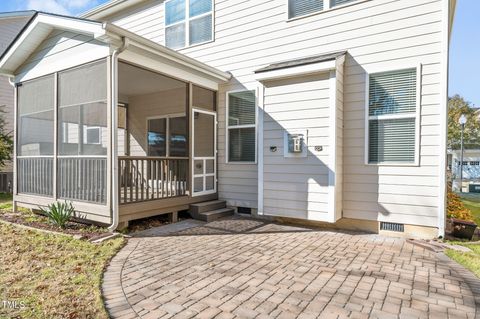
<point x="187" y="24"/>
<point x="326" y="8"/>
<point x="167" y="118"/>
<point x="228" y="127"/>
<point x="416" y="115"/>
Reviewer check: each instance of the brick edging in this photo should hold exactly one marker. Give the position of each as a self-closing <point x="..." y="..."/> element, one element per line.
<point x="470" y="279"/>
<point x="114" y="298"/>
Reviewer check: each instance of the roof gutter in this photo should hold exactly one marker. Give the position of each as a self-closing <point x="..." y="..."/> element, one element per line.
<point x="160" y="50"/>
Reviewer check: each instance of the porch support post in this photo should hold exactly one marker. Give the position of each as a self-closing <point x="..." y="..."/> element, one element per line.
<point x="110" y="134"/>
<point x="190" y="137"/>
<point x="260" y="111"/>
<point x="55" y="137"/>
<point x="15" y="130"/>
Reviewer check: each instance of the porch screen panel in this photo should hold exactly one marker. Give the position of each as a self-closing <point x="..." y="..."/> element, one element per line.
<point x="177" y="136"/>
<point x="157" y="137"/>
<point x="204" y="135"/>
<point x="204" y="98"/>
<point x="36" y="136"/>
<point x="83" y="133"/>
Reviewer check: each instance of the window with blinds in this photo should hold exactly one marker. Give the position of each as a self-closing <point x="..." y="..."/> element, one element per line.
<point x="241" y="126"/>
<point x="334" y="3"/>
<point x="297" y="8"/>
<point x="392" y="116"/>
<point x="188" y="22"/>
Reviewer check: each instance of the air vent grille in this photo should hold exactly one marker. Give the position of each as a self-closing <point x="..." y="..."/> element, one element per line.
<point x="392" y="227"/>
<point x="244" y="210"/>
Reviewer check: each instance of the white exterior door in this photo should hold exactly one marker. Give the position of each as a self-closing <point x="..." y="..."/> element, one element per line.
<point x="204" y="159"/>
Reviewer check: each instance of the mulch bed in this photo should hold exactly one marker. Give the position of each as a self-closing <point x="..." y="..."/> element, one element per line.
<point x="79" y="230"/>
<point x="155" y="221"/>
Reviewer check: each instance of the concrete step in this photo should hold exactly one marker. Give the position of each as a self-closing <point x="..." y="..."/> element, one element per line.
<point x="207" y="206"/>
<point x="213" y="215"/>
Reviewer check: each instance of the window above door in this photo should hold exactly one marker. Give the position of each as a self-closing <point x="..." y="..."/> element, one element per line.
<point x="188" y="23"/>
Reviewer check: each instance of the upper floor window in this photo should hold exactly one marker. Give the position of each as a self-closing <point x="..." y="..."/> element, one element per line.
<point x="188" y="22"/>
<point x="298" y="8"/>
<point x="334" y="3"/>
<point x="393" y="106"/>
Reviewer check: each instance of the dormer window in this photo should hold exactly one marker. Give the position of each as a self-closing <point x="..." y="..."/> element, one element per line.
<point x="188" y="22"/>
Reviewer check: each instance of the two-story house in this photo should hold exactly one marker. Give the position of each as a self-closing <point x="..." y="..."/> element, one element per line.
<point x="325" y="111"/>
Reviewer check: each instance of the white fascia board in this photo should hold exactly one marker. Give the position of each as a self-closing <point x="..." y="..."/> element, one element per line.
<point x="296" y="71"/>
<point x="72" y="24"/>
<point x="49" y="22"/>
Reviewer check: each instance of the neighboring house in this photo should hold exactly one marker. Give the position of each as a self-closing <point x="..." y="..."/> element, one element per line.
<point x="10" y="25"/>
<point x="471" y="164"/>
<point x="327" y="111"/>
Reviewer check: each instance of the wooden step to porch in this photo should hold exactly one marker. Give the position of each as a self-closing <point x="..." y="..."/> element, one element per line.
<point x="207" y="206"/>
<point x="210" y="211"/>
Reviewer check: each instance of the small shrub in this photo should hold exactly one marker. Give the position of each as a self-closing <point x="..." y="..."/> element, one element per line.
<point x="59" y="213"/>
<point x="456" y="208"/>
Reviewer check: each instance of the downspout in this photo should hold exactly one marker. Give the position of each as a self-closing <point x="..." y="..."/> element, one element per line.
<point x="114" y="157"/>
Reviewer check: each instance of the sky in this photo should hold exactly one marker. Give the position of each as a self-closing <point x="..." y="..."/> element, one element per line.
<point x="68" y="7"/>
<point x="464" y="50"/>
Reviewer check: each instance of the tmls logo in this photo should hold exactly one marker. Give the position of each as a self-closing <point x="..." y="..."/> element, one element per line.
<point x="13" y="304"/>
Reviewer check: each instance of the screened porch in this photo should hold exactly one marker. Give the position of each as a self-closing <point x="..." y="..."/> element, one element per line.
<point x="164" y="146"/>
<point x="118" y="125"/>
<point x="154" y="136"/>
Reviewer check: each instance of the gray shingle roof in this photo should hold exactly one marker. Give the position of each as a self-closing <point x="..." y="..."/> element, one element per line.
<point x="302" y="61"/>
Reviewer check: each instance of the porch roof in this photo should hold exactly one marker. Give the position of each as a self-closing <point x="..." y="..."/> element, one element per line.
<point x="42" y="24"/>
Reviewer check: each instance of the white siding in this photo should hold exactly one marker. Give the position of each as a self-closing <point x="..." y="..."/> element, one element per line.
<point x="292" y="104"/>
<point x="377" y="33"/>
<point x="146" y="19"/>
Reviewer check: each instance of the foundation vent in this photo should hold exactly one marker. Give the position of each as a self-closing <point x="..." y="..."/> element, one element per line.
<point x="244" y="210"/>
<point x="392" y="227"/>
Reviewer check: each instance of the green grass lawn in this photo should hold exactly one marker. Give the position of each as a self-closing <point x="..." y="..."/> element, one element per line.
<point x="472" y="202"/>
<point x="470" y="260"/>
<point x="52" y="276"/>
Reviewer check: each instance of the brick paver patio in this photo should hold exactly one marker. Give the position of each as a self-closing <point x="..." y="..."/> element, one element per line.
<point x="240" y="268"/>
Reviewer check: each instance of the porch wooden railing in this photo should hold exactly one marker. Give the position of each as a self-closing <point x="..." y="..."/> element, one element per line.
<point x="35" y="175"/>
<point x="149" y="178"/>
